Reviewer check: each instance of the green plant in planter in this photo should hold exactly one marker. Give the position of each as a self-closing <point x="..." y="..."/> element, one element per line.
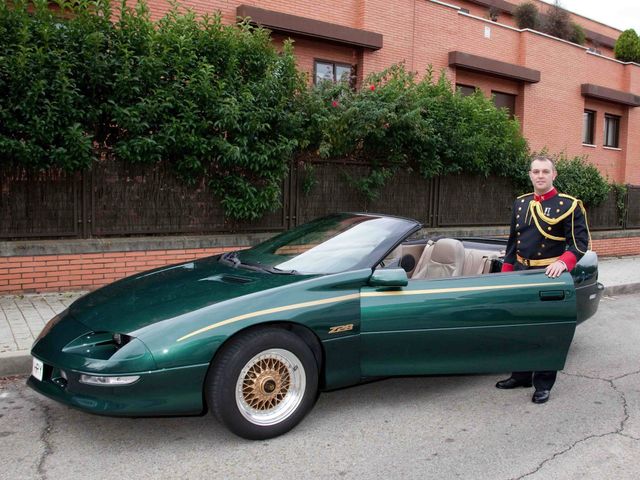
<point x="621" y="201"/>
<point x="581" y="179"/>
<point x="309" y="179"/>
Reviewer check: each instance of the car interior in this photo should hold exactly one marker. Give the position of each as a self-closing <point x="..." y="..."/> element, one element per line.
<point x="445" y="257"/>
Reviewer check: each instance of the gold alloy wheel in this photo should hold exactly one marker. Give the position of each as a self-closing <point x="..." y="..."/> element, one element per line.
<point x="270" y="386"/>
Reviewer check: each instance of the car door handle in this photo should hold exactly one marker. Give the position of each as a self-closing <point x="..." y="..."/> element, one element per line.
<point x="550" y="295"/>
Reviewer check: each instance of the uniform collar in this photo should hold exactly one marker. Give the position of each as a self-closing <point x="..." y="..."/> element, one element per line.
<point x="546" y="196"/>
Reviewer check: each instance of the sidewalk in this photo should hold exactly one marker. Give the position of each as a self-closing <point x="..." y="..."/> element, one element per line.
<point x="22" y="317"/>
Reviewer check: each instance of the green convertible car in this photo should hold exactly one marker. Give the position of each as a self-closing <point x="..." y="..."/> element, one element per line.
<point x="254" y="335"/>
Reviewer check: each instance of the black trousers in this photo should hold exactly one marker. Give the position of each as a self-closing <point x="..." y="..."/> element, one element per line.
<point x="543" y="380"/>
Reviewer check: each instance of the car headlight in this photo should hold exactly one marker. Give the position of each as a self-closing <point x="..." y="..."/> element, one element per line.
<point x="108" y="381"/>
<point x="121" y="339"/>
<point x="51" y="323"/>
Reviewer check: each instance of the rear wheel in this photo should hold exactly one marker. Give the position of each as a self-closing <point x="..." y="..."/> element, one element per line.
<point x="263" y="383"/>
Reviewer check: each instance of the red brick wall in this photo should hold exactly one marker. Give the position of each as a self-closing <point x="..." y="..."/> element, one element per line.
<point x="618" y="247"/>
<point x="88" y="271"/>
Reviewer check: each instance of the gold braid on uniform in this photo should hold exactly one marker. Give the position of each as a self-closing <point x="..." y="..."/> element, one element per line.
<point x="584" y="212"/>
<point x="577" y="202"/>
<point x="535" y="207"/>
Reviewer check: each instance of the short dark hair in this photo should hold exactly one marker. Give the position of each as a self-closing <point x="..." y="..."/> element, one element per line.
<point x="543" y="158"/>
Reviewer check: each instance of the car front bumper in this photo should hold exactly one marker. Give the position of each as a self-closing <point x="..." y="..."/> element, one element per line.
<point x="174" y="391"/>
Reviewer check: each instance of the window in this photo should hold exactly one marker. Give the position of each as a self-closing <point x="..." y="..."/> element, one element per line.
<point x="505" y="100"/>
<point x="611" y="130"/>
<point x="588" y="126"/>
<point x="333" y="72"/>
<point x="465" y="90"/>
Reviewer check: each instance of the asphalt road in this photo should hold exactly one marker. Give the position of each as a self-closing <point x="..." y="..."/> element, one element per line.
<point x="428" y="427"/>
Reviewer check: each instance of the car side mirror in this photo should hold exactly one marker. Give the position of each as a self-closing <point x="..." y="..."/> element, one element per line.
<point x="393" y="277"/>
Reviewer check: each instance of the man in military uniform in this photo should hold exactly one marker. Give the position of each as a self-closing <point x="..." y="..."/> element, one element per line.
<point x="548" y="230"/>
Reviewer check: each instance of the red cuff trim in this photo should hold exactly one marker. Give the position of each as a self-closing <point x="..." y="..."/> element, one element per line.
<point x="569" y="259"/>
<point x="507" y="267"/>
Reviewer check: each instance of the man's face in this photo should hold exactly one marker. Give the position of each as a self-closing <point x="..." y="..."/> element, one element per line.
<point x="542" y="175"/>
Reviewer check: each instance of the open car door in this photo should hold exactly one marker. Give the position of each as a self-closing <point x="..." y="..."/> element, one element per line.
<point x="516" y="321"/>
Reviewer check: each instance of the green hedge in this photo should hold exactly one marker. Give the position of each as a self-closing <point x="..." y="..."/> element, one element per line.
<point x="216" y="101"/>
<point x="397" y="121"/>
<point x="627" y="47"/>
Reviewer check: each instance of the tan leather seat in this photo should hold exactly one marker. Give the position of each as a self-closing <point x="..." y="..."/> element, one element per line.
<point x="477" y="262"/>
<point x="446" y="259"/>
<point x="421" y="265"/>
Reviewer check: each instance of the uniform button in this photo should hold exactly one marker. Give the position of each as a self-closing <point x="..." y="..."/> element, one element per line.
<point x="548" y="228"/>
<point x="518" y="233"/>
<point x="557" y="210"/>
<point x="518" y="242"/>
<point x="542" y="245"/>
<point x="522" y="200"/>
<point x="517" y="216"/>
<point x="561" y="202"/>
<point x="539" y="253"/>
<point x="519" y="208"/>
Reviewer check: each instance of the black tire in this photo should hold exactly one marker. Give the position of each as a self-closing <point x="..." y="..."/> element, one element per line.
<point x="279" y="383"/>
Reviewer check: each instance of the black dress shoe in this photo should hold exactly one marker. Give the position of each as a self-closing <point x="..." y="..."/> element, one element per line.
<point x="512" y="383"/>
<point x="540" y="396"/>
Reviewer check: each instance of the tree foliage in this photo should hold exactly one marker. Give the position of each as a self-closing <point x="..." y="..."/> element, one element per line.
<point x="215" y="101"/>
<point x="581" y="179"/>
<point x="397" y="121"/>
<point x="557" y="22"/>
<point x="578" y="34"/>
<point x="627" y="47"/>
<point x="527" y="15"/>
<point x="49" y="72"/>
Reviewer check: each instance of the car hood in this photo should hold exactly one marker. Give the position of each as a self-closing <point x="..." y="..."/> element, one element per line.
<point x="153" y="296"/>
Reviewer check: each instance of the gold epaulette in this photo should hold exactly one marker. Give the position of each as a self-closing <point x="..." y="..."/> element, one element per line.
<point x="525" y="195"/>
<point x="564" y="195"/>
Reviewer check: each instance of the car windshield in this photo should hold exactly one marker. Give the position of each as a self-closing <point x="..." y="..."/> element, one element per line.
<point x="330" y="244"/>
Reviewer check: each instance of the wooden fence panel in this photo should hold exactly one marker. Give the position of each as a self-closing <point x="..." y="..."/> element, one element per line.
<point x="633" y="208"/>
<point x="406" y="194"/>
<point x="330" y="192"/>
<point x="604" y="216"/>
<point x="144" y="199"/>
<point x="114" y="199"/>
<point x="39" y="204"/>
<point x="466" y="200"/>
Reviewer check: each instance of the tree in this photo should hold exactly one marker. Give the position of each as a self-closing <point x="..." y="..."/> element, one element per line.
<point x="577" y="34"/>
<point x="216" y="102"/>
<point x="527" y="15"/>
<point x="399" y="122"/>
<point x="627" y="47"/>
<point x="557" y="22"/>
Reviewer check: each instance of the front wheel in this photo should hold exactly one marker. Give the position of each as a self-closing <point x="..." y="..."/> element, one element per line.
<point x="263" y="383"/>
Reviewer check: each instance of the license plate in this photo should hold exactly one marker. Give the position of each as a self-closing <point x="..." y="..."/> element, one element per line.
<point x="37" y="369"/>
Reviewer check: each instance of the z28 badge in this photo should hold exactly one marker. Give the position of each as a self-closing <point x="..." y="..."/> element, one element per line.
<point x="341" y="328"/>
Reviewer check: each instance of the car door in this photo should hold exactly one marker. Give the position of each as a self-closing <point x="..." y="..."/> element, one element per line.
<point x="488" y="323"/>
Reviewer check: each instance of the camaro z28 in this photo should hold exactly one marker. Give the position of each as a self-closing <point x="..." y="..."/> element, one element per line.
<point x="255" y="335"/>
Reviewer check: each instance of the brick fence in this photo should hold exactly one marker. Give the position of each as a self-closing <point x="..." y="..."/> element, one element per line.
<point x="80" y="265"/>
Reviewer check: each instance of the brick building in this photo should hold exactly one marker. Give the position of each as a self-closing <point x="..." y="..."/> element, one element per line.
<point x="571" y="98"/>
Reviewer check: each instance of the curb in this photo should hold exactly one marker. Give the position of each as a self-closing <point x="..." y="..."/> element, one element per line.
<point x="624" y="289"/>
<point x="15" y="363"/>
<point x="19" y="362"/>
